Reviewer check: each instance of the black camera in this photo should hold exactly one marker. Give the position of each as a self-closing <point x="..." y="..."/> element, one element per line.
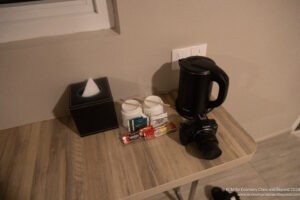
<point x="202" y="131"/>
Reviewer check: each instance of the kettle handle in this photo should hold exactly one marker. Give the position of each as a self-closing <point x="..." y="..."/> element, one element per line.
<point x="223" y="82"/>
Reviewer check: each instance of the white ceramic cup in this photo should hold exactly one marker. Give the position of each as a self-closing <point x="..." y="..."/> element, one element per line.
<point x="152" y="109"/>
<point x="130" y="111"/>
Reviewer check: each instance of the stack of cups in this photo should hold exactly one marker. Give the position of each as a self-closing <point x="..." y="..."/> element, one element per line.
<point x="151" y="109"/>
<point x="130" y="111"/>
<point x="137" y="122"/>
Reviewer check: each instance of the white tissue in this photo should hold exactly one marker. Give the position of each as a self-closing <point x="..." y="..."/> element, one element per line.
<point x="90" y="89"/>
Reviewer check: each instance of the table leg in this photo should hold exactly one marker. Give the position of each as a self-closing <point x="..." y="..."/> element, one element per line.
<point x="193" y="190"/>
<point x="178" y="193"/>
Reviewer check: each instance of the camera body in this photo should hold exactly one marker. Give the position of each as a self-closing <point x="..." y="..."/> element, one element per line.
<point x="202" y="131"/>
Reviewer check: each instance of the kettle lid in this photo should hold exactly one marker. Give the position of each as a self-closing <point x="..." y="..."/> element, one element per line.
<point x="198" y="65"/>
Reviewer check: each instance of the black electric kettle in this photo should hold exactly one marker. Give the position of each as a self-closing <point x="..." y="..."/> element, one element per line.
<point x="197" y="74"/>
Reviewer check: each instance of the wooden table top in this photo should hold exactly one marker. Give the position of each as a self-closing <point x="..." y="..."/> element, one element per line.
<point x="47" y="160"/>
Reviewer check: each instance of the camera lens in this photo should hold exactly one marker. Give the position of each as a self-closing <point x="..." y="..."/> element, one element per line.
<point x="208" y="145"/>
<point x="210" y="151"/>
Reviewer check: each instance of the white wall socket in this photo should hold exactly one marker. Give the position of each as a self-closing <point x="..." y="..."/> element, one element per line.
<point x="199" y="50"/>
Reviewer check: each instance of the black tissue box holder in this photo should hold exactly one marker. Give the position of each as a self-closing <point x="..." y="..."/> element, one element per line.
<point x="93" y="114"/>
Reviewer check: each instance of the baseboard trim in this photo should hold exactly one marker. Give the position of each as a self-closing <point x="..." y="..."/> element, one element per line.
<point x="286" y="130"/>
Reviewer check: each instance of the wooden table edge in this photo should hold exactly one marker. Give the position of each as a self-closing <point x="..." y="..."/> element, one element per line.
<point x="190" y="178"/>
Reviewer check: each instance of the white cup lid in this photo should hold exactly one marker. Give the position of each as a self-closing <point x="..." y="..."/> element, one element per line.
<point x="152" y="98"/>
<point x="128" y="107"/>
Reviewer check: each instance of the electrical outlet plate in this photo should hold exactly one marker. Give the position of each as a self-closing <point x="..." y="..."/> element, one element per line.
<point x="177" y="54"/>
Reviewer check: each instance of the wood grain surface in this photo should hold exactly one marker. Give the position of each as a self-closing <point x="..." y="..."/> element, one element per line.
<point x="48" y="160"/>
<point x="275" y="164"/>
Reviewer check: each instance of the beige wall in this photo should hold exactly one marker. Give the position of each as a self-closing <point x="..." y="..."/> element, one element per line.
<point x="255" y="42"/>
